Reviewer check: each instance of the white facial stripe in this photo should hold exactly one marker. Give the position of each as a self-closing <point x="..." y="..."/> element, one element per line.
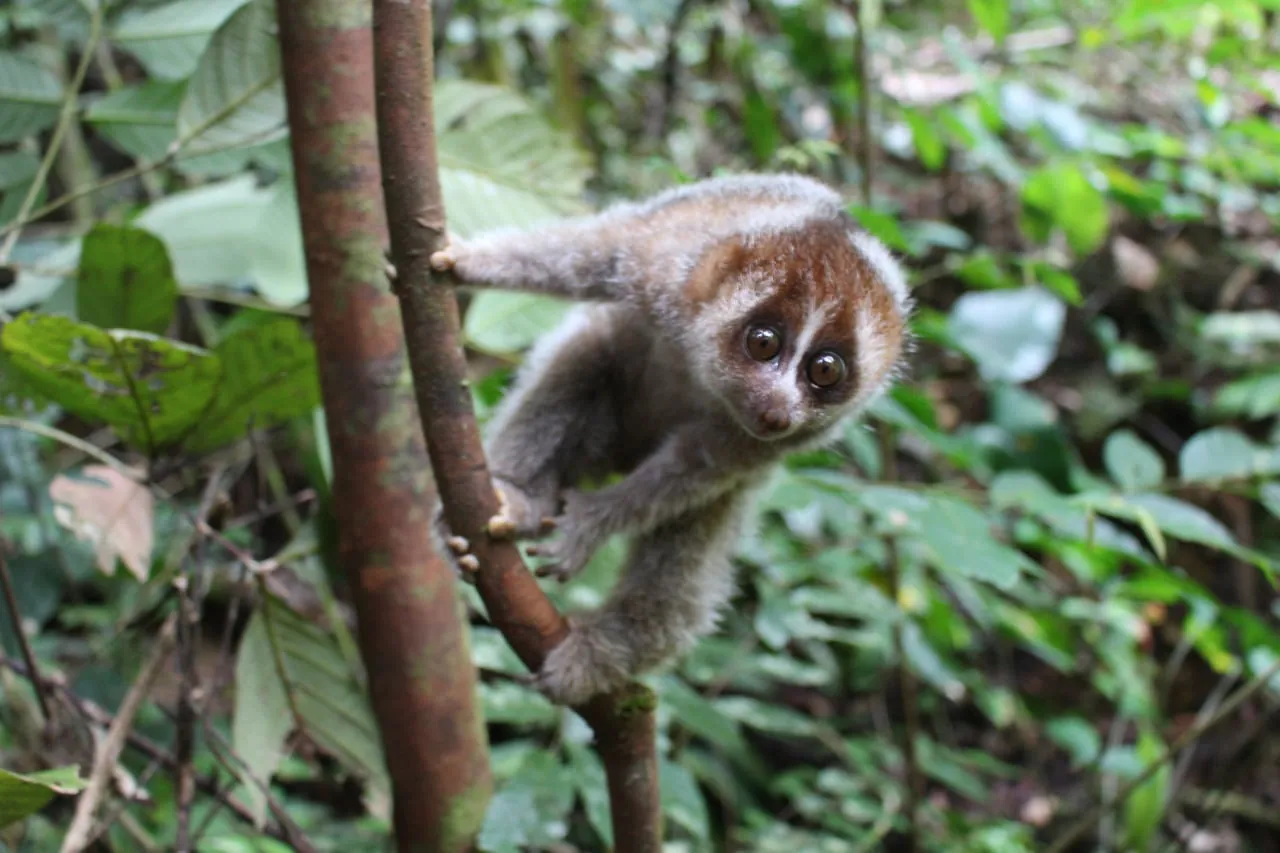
<point x="872" y="354"/>
<point x="886" y="266"/>
<point x="813" y="323"/>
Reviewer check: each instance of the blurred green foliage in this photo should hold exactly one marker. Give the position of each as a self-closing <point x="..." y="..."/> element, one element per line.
<point x="1064" y="524"/>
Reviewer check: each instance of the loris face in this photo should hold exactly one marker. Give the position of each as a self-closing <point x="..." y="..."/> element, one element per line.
<point x="799" y="328"/>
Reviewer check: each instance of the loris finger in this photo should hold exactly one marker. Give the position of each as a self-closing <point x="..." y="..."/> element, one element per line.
<point x="443" y="260"/>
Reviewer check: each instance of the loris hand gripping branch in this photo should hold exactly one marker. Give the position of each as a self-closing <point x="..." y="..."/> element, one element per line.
<point x="727" y="323"/>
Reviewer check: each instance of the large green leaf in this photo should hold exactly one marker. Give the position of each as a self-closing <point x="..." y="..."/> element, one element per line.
<point x="236" y="96"/>
<point x="323" y="692"/>
<point x="531" y="809"/>
<point x="140" y="120"/>
<point x="501" y="163"/>
<point x="1131" y="462"/>
<point x="499" y="322"/>
<point x="992" y="16"/>
<point x="169" y="39"/>
<point x="1012" y="334"/>
<point x="22" y="796"/>
<point x="1222" y="453"/>
<point x="262" y="719"/>
<point x="1061" y="195"/>
<point x="149" y="388"/>
<point x="17" y="168"/>
<point x="125" y="280"/>
<point x="269" y="377"/>
<point x="30" y="97"/>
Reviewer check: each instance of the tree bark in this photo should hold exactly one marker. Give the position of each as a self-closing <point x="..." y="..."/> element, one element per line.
<point x="412" y="636"/>
<point x="623" y="722"/>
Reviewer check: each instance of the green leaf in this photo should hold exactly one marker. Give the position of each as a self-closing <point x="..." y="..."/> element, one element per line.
<point x="23" y="795"/>
<point x="1270" y="497"/>
<point x="326" y="695"/>
<point x="1222" y="453"/>
<point x="682" y="799"/>
<point x="150" y="388"/>
<point x="269" y="377"/>
<point x="958" y="540"/>
<point x="501" y="163"/>
<point x="30" y="97"/>
<point x="140" y="120"/>
<point x="125" y="280"/>
<point x="1013" y="335"/>
<point x="1177" y="518"/>
<point x="929" y="146"/>
<point x="236" y="96"/>
<point x="1062" y="196"/>
<point x="1077" y="737"/>
<point x="992" y="16"/>
<point x="531" y="809"/>
<point x="500" y="322"/>
<point x="1145" y="807"/>
<point x="169" y="39"/>
<point x="261" y="720"/>
<point x="1131" y="462"/>
<point x="593" y="788"/>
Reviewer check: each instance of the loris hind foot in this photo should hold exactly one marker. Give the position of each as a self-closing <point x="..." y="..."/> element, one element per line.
<point x="588" y="661"/>
<point x="517" y="518"/>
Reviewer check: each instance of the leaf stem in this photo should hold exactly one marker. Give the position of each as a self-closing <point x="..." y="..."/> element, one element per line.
<point x="65" y="118"/>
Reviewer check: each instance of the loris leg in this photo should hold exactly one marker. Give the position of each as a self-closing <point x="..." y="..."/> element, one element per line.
<point x="556" y="424"/>
<point x="676" y="579"/>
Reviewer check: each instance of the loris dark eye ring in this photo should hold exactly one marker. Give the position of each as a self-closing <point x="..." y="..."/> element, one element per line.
<point x="826" y="369"/>
<point x="763" y="343"/>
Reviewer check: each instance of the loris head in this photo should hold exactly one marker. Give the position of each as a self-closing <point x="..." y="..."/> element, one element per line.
<point x="798" y="327"/>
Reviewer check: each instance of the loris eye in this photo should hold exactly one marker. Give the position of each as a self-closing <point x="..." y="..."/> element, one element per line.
<point x="763" y="343"/>
<point x="826" y="369"/>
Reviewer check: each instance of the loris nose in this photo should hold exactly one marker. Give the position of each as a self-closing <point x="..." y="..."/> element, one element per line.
<point x="776" y="420"/>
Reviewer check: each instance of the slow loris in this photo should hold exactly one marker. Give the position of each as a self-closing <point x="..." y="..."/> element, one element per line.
<point x="727" y="323"/>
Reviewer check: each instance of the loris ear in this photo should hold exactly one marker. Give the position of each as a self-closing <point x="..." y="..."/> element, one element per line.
<point x="718" y="264"/>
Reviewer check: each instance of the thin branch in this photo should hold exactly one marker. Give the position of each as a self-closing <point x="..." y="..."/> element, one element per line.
<point x="65" y="117"/>
<point x="24" y="644"/>
<point x="1191" y="735"/>
<point x="866" y="146"/>
<point x="109" y="748"/>
<point x="623" y="721"/>
<point x="906" y="676"/>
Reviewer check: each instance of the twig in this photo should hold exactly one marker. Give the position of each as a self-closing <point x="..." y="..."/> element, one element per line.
<point x="866" y="146"/>
<point x="65" y="117"/>
<point x="671" y="66"/>
<point x="109" y="748"/>
<point x="623" y="721"/>
<point x="1229" y="707"/>
<point x="15" y="619"/>
<point x="906" y="676"/>
<point x="149" y="749"/>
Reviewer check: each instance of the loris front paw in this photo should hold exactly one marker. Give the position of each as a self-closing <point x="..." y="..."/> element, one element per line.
<point x="582" y="532"/>
<point x="585" y="663"/>
<point x="446" y="259"/>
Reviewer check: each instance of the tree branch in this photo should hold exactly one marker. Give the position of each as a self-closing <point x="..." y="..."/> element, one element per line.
<point x="623" y="722"/>
<point x="410" y="630"/>
<point x="109" y="749"/>
<point x="24" y="644"/>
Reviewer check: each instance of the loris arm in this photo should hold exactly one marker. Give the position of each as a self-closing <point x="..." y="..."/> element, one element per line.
<point x="682" y="474"/>
<point x="587" y="259"/>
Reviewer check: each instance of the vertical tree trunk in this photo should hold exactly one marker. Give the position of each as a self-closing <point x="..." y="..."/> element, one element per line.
<point x="411" y="634"/>
<point x="623" y="721"/>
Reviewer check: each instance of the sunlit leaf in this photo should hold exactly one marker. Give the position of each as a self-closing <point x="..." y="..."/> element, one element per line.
<point x="992" y="16"/>
<point x="1061" y="196"/>
<point x="141" y="120"/>
<point x="531" y="809"/>
<point x="1013" y="335"/>
<point x="500" y="322"/>
<point x="24" y="795"/>
<point x="150" y="388"/>
<point x="1145" y="807"/>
